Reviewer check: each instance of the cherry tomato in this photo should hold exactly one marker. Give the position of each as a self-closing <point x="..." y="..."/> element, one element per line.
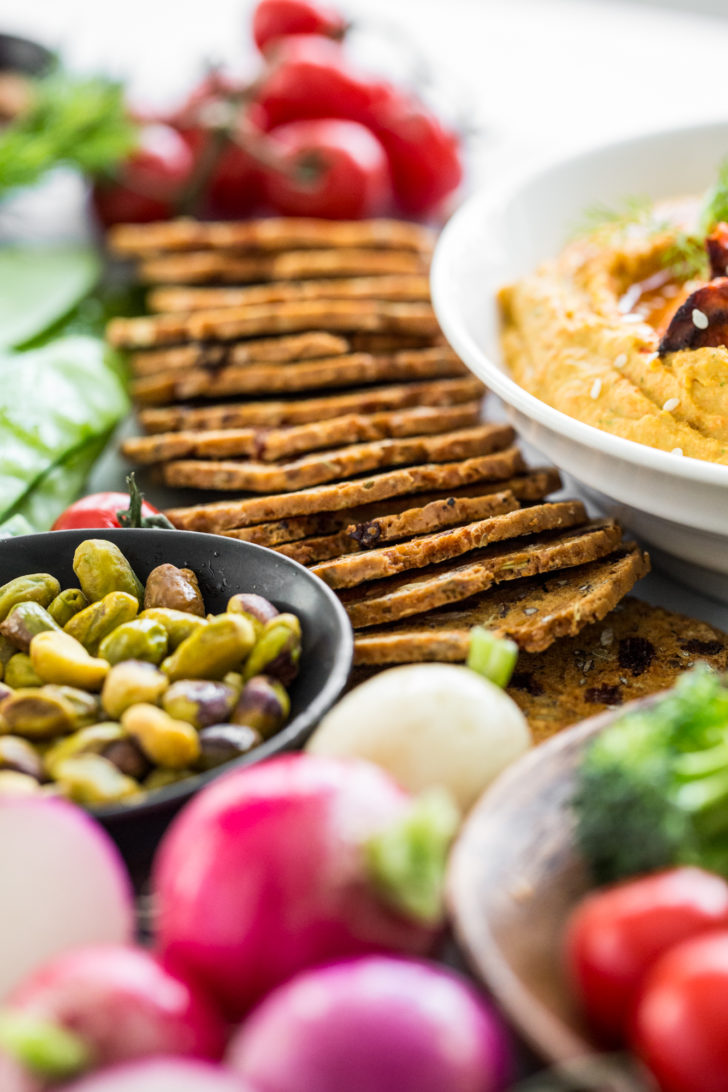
<point x="276" y="19"/>
<point x="615" y="936"/>
<point x="150" y="182"/>
<point x="311" y="78"/>
<point x="98" y="510"/>
<point x="680" y="1027"/>
<point x="424" y="156"/>
<point x="333" y="169"/>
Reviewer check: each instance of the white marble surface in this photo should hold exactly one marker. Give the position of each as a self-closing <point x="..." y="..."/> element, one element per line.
<point x="534" y="78"/>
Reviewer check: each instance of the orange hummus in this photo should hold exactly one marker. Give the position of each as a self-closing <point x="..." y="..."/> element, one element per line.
<point x="582" y="332"/>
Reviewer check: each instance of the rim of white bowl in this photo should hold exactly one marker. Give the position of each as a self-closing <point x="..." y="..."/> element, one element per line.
<point x="445" y="304"/>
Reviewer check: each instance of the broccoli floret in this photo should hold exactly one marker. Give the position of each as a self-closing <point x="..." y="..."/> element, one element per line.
<point x="652" y="790"/>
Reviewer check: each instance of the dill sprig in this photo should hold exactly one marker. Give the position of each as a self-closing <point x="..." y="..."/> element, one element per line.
<point x="714" y="208"/>
<point x="615" y="218"/>
<point x="686" y="257"/>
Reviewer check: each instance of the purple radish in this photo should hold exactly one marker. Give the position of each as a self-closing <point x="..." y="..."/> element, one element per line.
<point x="101" y="1005"/>
<point x="295" y="862"/>
<point x="376" y="1024"/>
<point x="162" y="1075"/>
<point x="63" y="884"/>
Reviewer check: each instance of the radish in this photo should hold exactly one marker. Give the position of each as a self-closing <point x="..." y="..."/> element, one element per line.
<point x="109" y="1004"/>
<point x="294" y="862"/>
<point x="162" y="1075"/>
<point x="373" y="1025"/>
<point x="428" y="724"/>
<point x="63" y="884"/>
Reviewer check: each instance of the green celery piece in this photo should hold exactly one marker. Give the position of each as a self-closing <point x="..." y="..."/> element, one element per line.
<point x="406" y="861"/>
<point x="45" y="1048"/>
<point x="55" y="401"/>
<point x="39" y="285"/>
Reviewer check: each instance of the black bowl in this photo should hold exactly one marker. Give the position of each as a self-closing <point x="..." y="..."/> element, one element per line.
<point x="24" y="55"/>
<point x="223" y="566"/>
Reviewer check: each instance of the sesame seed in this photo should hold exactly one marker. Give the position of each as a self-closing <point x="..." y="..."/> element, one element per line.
<point x="676" y="451"/>
<point x="606" y="638"/>
<point x="650" y="357"/>
<point x="596" y="389"/>
<point x="671" y="404"/>
<point x="632" y="317"/>
<point x="700" y="319"/>
<point x="530" y="610"/>
<point x="621" y="360"/>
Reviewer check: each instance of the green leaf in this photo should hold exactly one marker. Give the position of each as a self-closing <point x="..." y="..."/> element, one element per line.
<point x="76" y="121"/>
<point x="39" y="286"/>
<point x="58" y="404"/>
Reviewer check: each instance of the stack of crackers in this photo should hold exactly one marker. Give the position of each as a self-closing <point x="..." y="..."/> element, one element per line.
<point x="297" y="368"/>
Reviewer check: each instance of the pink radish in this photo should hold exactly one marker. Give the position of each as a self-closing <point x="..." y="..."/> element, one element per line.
<point x="294" y="862"/>
<point x="162" y="1075"/>
<point x="373" y="1025"/>
<point x="63" y="884"/>
<point x="117" y="1003"/>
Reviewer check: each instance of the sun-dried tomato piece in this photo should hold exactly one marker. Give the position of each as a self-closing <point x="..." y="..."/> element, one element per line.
<point x="701" y="322"/>
<point x="717" y="246"/>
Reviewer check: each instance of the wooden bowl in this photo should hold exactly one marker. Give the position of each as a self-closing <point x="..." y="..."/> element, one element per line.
<point x="515" y="875"/>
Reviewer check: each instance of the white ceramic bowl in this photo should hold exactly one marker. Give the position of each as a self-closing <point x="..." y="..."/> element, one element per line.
<point x="676" y="505"/>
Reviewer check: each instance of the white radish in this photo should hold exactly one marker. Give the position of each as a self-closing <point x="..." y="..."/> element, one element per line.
<point x="162" y="1075"/>
<point x="428" y="724"/>
<point x="63" y="884"/>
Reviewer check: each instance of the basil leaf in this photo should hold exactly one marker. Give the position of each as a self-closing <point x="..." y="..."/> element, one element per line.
<point x="58" y="405"/>
<point x="38" y="286"/>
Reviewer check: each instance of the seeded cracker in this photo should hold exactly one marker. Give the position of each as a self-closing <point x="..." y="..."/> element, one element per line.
<point x="400" y="517"/>
<point x="404" y="287"/>
<point x="225" y="515"/>
<point x="274" y="233"/>
<point x="270" y="445"/>
<point x="320" y="467"/>
<point x="445" y="392"/>
<point x="400" y="597"/>
<point x="534" y="613"/>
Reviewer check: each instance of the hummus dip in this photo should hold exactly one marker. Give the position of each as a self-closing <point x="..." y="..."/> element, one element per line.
<point x="582" y="334"/>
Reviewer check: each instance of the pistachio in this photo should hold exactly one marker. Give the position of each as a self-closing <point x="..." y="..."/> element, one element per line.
<point x="164" y="740"/>
<point x="59" y="658"/>
<point x="130" y="682"/>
